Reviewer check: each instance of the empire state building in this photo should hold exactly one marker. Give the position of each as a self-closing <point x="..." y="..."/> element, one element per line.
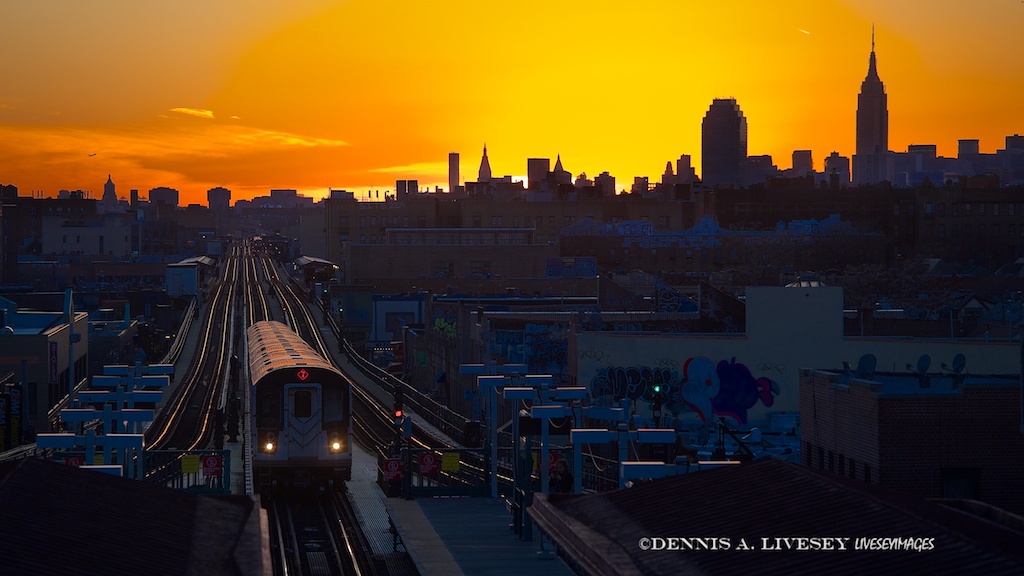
<point x="872" y="161"/>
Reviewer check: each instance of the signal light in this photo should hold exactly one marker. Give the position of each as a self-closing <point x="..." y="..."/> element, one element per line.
<point x="399" y="396"/>
<point x="335" y="442"/>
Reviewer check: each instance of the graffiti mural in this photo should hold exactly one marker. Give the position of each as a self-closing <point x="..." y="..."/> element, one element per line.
<point x="546" y="347"/>
<point x="704" y="388"/>
<point x="444" y="318"/>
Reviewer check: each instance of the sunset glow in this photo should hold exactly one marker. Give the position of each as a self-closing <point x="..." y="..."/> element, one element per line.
<point x="313" y="94"/>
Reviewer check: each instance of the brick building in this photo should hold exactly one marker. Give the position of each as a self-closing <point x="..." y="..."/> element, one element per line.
<point x="934" y="435"/>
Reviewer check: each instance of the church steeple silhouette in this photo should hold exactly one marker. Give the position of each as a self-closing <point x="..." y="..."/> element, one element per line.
<point x="485" y="167"/>
<point x="109" y="194"/>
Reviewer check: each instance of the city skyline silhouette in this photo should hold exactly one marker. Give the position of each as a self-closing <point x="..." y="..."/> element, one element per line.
<point x="354" y="96"/>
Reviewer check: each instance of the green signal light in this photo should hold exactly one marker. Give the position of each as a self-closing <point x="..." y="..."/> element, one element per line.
<point x="657" y="387"/>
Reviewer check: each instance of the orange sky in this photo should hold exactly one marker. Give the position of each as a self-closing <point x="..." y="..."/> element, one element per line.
<point x="311" y="94"/>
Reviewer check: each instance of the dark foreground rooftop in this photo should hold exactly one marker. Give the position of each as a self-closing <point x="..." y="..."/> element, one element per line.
<point x="703" y="521"/>
<point x="63" y="520"/>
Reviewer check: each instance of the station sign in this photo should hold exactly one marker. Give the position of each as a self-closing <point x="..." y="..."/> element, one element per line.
<point x="428" y="463"/>
<point x="392" y="469"/>
<point x="212" y="465"/>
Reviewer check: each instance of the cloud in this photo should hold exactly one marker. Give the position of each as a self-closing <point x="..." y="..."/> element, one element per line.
<point x="431" y="168"/>
<point x="5" y="106"/>
<point x="248" y="136"/>
<point x="197" y="112"/>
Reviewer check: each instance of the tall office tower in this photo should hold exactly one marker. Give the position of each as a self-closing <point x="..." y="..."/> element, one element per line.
<point x="605" y="182"/>
<point x="109" y="194"/>
<point x="537" y="172"/>
<point x="967" y="147"/>
<point x="838" y="170"/>
<point x="723" y="144"/>
<point x="218" y="198"/>
<point x="133" y="198"/>
<point x="803" y="162"/>
<point x="685" y="174"/>
<point x="453" y="172"/>
<point x="485" y="168"/>
<point x="164" y="195"/>
<point x="870" y="163"/>
<point x="406" y="188"/>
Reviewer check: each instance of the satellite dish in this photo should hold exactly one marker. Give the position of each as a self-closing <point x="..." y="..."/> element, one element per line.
<point x="959" y="362"/>
<point x="923" y="363"/>
<point x="866" y="367"/>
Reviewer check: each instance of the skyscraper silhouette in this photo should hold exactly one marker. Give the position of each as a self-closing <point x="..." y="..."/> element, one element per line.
<point x="871" y="159"/>
<point x="453" y="172"/>
<point x="109" y="193"/>
<point x="723" y="144"/>
<point x="485" y="168"/>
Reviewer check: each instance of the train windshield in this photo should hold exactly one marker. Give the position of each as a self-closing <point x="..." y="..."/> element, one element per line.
<point x="335" y="403"/>
<point x="303" y="404"/>
<point x="268" y="407"/>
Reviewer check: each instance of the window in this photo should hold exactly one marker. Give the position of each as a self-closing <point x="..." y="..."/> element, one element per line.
<point x="405" y="221"/>
<point x="496" y="221"/>
<point x="1009" y="209"/>
<point x="981" y="209"/>
<point x="967" y="210"/>
<point x="480" y="268"/>
<point x="515" y="221"/>
<point x="373" y="221"/>
<point x="956" y="209"/>
<point x="476" y="220"/>
<point x="941" y="231"/>
<point x="928" y="209"/>
<point x="373" y="238"/>
<point x="995" y="230"/>
<point x="362" y="221"/>
<point x="942" y="209"/>
<point x="995" y="209"/>
<point x="1010" y="231"/>
<point x="302" y="404"/>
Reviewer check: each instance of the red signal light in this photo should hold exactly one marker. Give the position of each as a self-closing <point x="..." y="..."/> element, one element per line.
<point x="398" y="413"/>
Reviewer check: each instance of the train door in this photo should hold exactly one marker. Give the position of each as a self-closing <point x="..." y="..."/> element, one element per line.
<point x="303" y="420"/>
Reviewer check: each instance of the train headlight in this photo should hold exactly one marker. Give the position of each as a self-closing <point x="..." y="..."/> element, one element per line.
<point x="269" y="443"/>
<point x="334" y="442"/>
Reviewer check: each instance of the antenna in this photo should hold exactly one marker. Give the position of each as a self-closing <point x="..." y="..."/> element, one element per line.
<point x="872" y="36"/>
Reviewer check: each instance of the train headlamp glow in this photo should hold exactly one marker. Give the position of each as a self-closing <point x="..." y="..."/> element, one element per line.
<point x="270" y="442"/>
<point x="335" y="442"/>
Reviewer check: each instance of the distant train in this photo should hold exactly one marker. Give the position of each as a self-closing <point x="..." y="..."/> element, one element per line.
<point x="301" y="412"/>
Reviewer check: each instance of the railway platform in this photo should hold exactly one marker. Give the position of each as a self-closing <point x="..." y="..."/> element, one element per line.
<point x="443" y="536"/>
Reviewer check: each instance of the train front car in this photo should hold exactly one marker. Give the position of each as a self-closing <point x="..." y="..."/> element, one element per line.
<point x="301" y="412"/>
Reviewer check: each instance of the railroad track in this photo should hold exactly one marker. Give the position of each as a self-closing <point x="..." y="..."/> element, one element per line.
<point x="316" y="536"/>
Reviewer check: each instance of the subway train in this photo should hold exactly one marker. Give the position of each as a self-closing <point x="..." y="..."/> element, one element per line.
<point x="301" y="412"/>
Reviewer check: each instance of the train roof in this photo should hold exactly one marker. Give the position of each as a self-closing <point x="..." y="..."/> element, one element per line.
<point x="273" y="346"/>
